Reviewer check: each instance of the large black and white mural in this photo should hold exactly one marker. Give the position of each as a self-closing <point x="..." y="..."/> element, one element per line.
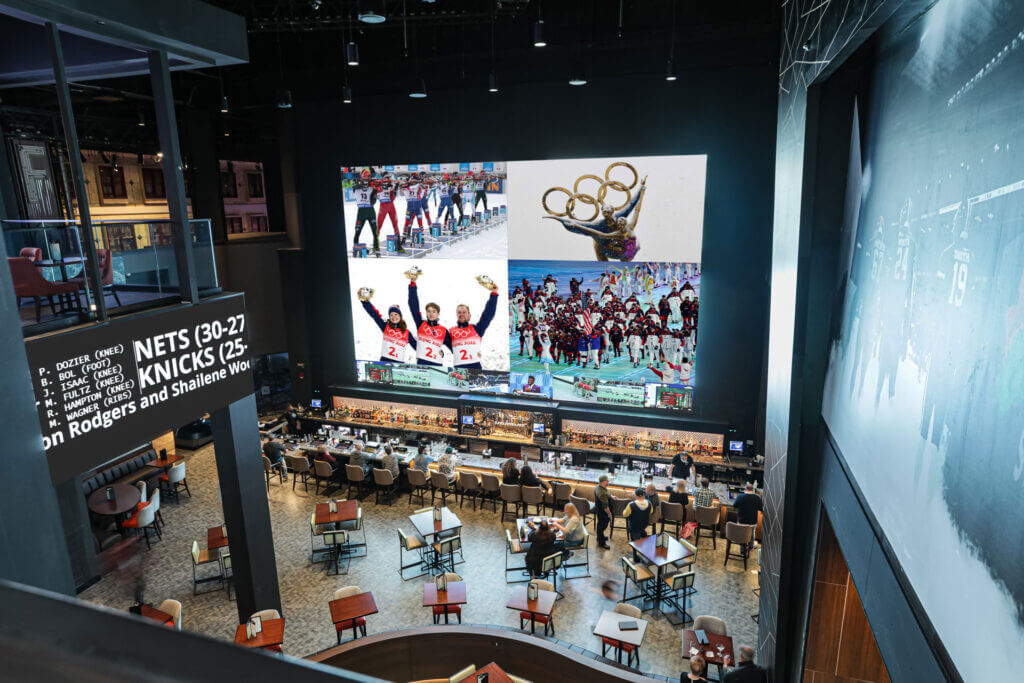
<point x="925" y="389"/>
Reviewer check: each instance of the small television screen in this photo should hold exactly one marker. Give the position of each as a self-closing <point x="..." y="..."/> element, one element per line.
<point x="538" y="427"/>
<point x="736" y="446"/>
<point x="316" y="403"/>
<point x="467" y="419"/>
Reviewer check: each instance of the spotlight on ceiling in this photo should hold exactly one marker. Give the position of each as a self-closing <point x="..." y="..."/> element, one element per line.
<point x="346" y="94"/>
<point x="315" y="4"/>
<point x="352" y="53"/>
<point x="670" y="71"/>
<point x="371" y="11"/>
<point x="577" y="76"/>
<point x="538" y="34"/>
<point x="284" y="99"/>
<point x="492" y="82"/>
<point x="419" y="90"/>
<point x="159" y="155"/>
<point x="223" y="104"/>
<point x="142" y="119"/>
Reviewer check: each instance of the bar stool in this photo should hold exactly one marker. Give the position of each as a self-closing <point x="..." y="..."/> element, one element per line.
<point x="618" y="508"/>
<point x="532" y="495"/>
<point x="671" y="513"/>
<point x="299" y="467"/>
<point x="322" y="471"/>
<point x="511" y="494"/>
<point x="417" y="484"/>
<point x="384" y="482"/>
<point x="357" y="476"/>
<point x="490" y="490"/>
<point x="707" y="519"/>
<point x="439" y="484"/>
<point x="582" y="506"/>
<point x="467" y="484"/>
<point x="741" y="535"/>
<point x="560" y="494"/>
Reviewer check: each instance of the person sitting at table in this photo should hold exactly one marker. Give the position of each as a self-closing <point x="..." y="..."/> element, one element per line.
<point x="704" y="497"/>
<point x="745" y="671"/>
<point x="528" y="478"/>
<point x="360" y="458"/>
<point x="446" y="464"/>
<point x="274" y="452"/>
<point x="698" y="670"/>
<point x="655" y="500"/>
<point x="542" y="544"/>
<point x="571" y="527"/>
<point x="677" y="493"/>
<point x="421" y="461"/>
<point x="390" y="461"/>
<point x="638" y="515"/>
<point x="510" y="471"/>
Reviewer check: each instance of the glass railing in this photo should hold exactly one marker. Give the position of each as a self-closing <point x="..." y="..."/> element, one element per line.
<point x="137" y="265"/>
<point x="47" y="267"/>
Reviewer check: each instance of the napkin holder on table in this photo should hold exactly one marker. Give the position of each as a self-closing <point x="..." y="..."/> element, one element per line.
<point x="442" y="583"/>
<point x="437" y="514"/>
<point x="531" y="591"/>
<point x="333" y="507"/>
<point x="662" y="541"/>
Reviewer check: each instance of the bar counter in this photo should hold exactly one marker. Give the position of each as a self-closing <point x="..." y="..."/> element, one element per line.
<point x="583" y="479"/>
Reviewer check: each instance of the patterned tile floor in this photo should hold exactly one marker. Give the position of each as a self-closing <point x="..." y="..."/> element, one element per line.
<point x="305" y="588"/>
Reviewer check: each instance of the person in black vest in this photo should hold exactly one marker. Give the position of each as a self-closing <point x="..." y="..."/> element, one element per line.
<point x="638" y="515"/>
<point x="746" y="671"/>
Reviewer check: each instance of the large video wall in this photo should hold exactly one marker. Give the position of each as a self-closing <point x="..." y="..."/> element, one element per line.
<point x="924" y="394"/>
<point x="573" y="280"/>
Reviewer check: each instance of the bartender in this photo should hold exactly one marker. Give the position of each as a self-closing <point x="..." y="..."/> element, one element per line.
<point x="292" y="416"/>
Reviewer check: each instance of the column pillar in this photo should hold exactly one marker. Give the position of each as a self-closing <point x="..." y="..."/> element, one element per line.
<point x="243" y="493"/>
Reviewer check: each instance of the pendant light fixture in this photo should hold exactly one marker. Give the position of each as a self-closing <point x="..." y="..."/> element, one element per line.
<point x="538" y="30"/>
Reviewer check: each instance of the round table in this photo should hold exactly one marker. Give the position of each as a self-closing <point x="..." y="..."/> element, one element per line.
<point x="126" y="497"/>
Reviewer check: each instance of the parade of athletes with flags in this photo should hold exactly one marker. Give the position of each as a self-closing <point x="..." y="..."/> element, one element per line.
<point x="626" y="317"/>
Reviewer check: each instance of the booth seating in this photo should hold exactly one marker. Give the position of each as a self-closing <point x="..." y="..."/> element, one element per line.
<point x="126" y="472"/>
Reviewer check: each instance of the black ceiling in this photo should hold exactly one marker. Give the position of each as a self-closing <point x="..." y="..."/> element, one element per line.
<point x="295" y="45"/>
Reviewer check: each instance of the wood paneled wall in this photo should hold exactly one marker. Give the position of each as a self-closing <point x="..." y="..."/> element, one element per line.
<point x="841" y="647"/>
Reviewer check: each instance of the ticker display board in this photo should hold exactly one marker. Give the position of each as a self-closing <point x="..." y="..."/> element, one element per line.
<point x="105" y="389"/>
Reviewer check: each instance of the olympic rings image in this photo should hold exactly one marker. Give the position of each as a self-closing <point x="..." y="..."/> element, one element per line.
<point x="602" y="192"/>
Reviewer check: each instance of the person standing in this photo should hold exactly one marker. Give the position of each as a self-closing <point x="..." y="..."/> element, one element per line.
<point x="638" y="515"/>
<point x="431" y="336"/>
<point x="467" y="338"/>
<point x="680" y="467"/>
<point x="602" y="503"/>
<point x="365" y="196"/>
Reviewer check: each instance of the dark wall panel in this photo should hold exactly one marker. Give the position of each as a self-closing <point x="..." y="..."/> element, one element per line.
<point x="727" y="114"/>
<point x="252" y="267"/>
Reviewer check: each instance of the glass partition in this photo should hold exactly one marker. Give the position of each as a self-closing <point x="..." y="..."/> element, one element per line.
<point x="136" y="259"/>
<point x="47" y="267"/>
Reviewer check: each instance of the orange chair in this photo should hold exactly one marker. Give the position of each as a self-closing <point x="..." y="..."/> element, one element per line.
<point x="29" y="282"/>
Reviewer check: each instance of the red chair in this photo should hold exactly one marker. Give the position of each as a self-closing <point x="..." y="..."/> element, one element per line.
<point x="454" y="610"/>
<point x="28" y="281"/>
<point x="343" y="626"/>
<point x="32" y="253"/>
<point x="106" y="273"/>
<point x="539" y="618"/>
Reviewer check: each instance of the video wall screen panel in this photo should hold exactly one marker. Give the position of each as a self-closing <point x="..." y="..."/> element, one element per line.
<point x="576" y="280"/>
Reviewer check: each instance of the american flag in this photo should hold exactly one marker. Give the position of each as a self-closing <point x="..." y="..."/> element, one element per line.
<point x="588" y="326"/>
